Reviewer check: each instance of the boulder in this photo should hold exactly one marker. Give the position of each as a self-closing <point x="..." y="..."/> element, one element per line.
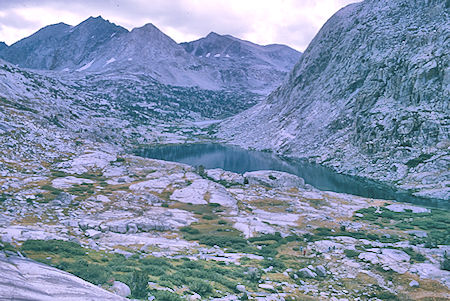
<point x="321" y="271"/>
<point x="94" y="234"/>
<point x="414" y="283"/>
<point x="132" y="228"/>
<point x="63" y="199"/>
<point x="274" y="179"/>
<point x="266" y="286"/>
<point x="307" y="273"/>
<point x="121" y="289"/>
<point x="220" y="175"/>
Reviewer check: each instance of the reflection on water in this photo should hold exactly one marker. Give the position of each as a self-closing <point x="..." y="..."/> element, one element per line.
<point x="239" y="160"/>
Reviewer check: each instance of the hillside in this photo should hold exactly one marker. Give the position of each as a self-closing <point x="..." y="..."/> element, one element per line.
<point x="369" y="97"/>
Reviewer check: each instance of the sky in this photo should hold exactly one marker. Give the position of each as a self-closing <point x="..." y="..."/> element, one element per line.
<point x="290" y="22"/>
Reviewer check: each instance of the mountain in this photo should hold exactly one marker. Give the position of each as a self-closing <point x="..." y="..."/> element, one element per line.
<point x="239" y="61"/>
<point x="369" y="97"/>
<point x="61" y="46"/>
<point x="97" y="45"/>
<point x="3" y="46"/>
<point x="227" y="47"/>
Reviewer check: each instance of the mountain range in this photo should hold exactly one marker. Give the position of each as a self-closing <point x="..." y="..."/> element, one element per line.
<point x="97" y="45"/>
<point x="81" y="105"/>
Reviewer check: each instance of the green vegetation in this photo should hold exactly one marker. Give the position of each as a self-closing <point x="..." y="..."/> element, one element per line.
<point x="436" y="223"/>
<point x="65" y="248"/>
<point x="320" y="233"/>
<point x="415" y="257"/>
<point x="416" y="161"/>
<point x="165" y="296"/>
<point x="445" y="264"/>
<point x="138" y="284"/>
<point x="202" y="277"/>
<point x="351" y="253"/>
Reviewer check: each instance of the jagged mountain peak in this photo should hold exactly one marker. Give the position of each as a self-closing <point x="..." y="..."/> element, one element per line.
<point x="100" y="25"/>
<point x="3" y="46"/>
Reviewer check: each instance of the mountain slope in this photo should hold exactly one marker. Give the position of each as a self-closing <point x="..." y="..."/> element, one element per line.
<point x="3" y="46"/>
<point x="368" y="97"/>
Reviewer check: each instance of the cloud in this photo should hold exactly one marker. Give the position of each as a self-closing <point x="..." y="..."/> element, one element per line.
<point x="291" y="22"/>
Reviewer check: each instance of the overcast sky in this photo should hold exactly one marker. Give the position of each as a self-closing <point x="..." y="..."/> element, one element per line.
<point x="290" y="22"/>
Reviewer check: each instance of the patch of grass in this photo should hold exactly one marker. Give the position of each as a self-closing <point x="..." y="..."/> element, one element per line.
<point x="351" y="253"/>
<point x="416" y="161"/>
<point x="209" y="217"/>
<point x="445" y="264"/>
<point x="436" y="222"/>
<point x="165" y="296"/>
<point x="53" y="246"/>
<point x="415" y="257"/>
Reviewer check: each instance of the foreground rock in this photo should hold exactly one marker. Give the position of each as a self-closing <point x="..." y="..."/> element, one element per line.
<point x="24" y="279"/>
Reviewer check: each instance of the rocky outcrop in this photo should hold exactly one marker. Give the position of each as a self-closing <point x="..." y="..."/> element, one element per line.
<point x="24" y="279"/>
<point x="276" y="179"/>
<point x="368" y="97"/>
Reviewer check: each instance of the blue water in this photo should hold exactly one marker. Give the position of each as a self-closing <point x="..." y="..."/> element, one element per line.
<point x="239" y="160"/>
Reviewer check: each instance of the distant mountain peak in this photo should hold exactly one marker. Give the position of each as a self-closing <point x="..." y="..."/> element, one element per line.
<point x="95" y="21"/>
<point x="3" y="46"/>
<point x="148" y="28"/>
<point x="213" y="34"/>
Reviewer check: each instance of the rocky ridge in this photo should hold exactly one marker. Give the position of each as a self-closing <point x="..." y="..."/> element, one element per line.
<point x="369" y="97"/>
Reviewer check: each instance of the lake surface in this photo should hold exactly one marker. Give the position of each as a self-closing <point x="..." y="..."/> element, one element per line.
<point x="235" y="159"/>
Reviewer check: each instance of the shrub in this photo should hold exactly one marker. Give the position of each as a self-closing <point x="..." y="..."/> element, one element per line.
<point x="385" y="295"/>
<point x="416" y="161"/>
<point x="90" y="272"/>
<point x="201" y="287"/>
<point x="157" y="261"/>
<point x="208" y="217"/>
<point x="166" y="296"/>
<point x="139" y="284"/>
<point x="414" y="255"/>
<point x="189" y="230"/>
<point x="223" y="241"/>
<point x="222" y="222"/>
<point x="53" y="246"/>
<point x="445" y="264"/>
<point x="351" y="253"/>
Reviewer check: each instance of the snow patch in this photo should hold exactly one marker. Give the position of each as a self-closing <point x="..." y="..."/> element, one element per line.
<point x="217" y="55"/>
<point x="111" y="60"/>
<point x="208" y="54"/>
<point x="86" y="66"/>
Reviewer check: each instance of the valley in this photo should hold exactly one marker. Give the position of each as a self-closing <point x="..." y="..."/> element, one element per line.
<point x="121" y="176"/>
